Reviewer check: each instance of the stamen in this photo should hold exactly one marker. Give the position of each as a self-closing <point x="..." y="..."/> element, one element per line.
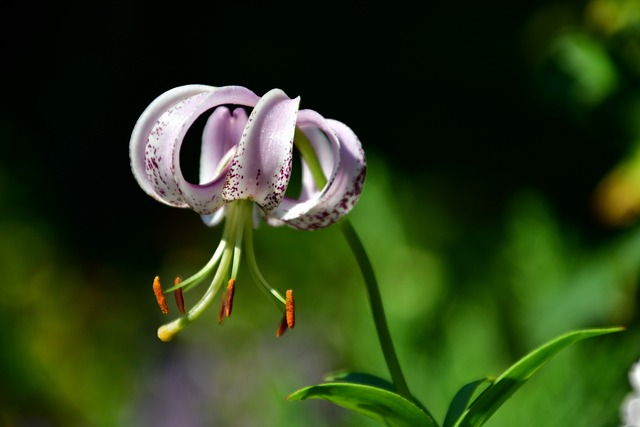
<point x="273" y="294"/>
<point x="282" y="328"/>
<point x="223" y="307"/>
<point x="290" y="310"/>
<point x="157" y="290"/>
<point x="178" y="295"/>
<point x="231" y="288"/>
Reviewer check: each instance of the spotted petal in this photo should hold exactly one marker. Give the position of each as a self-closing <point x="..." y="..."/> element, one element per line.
<point x="146" y="123"/>
<point x="261" y="167"/>
<point x="343" y="162"/>
<point x="157" y="139"/>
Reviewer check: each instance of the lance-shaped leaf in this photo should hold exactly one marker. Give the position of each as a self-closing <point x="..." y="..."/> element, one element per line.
<point x="461" y="401"/>
<point x="360" y="378"/>
<point x="513" y="378"/>
<point x="380" y="404"/>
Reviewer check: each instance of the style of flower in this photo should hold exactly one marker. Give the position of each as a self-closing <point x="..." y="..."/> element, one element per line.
<point x="245" y="168"/>
<point x="631" y="406"/>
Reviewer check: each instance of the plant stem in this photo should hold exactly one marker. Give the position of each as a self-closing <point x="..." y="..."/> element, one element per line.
<point x="375" y="301"/>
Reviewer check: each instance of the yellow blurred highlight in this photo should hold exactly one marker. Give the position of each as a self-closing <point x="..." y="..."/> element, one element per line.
<point x="616" y="199"/>
<point x="610" y="16"/>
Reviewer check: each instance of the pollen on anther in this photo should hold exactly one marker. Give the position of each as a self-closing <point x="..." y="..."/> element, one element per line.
<point x="282" y="327"/>
<point x="290" y="310"/>
<point x="178" y="295"/>
<point x="231" y="288"/>
<point x="157" y="290"/>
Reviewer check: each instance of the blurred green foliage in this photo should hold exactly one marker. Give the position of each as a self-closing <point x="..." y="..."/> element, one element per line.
<point x="468" y="288"/>
<point x="76" y="353"/>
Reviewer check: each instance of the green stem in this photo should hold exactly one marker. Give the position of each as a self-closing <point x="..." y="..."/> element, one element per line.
<point x="375" y="301"/>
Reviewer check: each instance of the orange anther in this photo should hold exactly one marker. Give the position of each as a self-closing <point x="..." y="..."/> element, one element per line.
<point x="157" y="290"/>
<point x="223" y="305"/>
<point x="231" y="288"/>
<point x="290" y="310"/>
<point x="282" y="327"/>
<point x="178" y="295"/>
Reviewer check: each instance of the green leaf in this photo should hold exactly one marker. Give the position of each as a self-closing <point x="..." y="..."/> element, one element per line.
<point x="369" y="379"/>
<point x="461" y="400"/>
<point x="380" y="404"/>
<point x="513" y="378"/>
<point x="360" y="378"/>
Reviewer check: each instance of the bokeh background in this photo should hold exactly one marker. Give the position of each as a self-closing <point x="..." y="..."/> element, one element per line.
<point x="500" y="209"/>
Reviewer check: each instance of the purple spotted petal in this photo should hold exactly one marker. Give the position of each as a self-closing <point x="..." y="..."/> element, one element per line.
<point x="342" y="159"/>
<point x="261" y="167"/>
<point x="246" y="157"/>
<point x="161" y="130"/>
<point x="146" y="123"/>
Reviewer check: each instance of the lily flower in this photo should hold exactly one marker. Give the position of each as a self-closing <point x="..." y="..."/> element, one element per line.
<point x="245" y="169"/>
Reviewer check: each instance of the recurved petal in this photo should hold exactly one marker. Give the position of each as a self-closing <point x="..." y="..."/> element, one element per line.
<point x="144" y="126"/>
<point x="220" y="137"/>
<point x="261" y="167"/>
<point x="163" y="143"/>
<point x="215" y="218"/>
<point x="342" y="159"/>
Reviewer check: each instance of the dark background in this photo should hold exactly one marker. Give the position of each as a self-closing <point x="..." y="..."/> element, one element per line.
<point x="444" y="89"/>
